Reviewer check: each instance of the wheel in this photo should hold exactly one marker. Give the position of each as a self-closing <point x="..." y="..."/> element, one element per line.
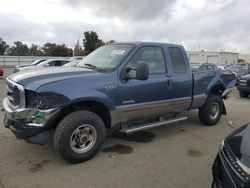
<point x="79" y="136"/>
<point x="243" y="94"/>
<point x="210" y="112"/>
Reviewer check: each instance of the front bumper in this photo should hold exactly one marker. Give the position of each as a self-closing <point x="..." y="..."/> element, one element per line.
<point x="221" y="174"/>
<point x="26" y="123"/>
<point x="228" y="174"/>
<point x="243" y="88"/>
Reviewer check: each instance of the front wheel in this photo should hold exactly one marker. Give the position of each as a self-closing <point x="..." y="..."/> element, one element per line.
<point x="244" y="94"/>
<point x="210" y="112"/>
<point x="79" y="136"/>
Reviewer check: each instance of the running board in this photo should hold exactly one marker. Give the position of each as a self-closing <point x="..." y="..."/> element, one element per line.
<point x="152" y="125"/>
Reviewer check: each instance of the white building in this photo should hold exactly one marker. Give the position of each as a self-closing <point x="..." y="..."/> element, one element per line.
<point x="218" y="58"/>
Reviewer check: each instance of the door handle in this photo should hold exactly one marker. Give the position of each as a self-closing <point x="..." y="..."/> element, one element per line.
<point x="169" y="83"/>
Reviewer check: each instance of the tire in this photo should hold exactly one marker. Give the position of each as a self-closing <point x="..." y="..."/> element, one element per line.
<point x="79" y="136"/>
<point x="243" y="94"/>
<point x="210" y="112"/>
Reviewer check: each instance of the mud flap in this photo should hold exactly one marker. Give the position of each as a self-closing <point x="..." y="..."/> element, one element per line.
<point x="224" y="111"/>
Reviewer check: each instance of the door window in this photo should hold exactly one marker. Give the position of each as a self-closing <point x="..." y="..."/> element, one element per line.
<point x="52" y="63"/>
<point x="61" y="63"/>
<point x="152" y="56"/>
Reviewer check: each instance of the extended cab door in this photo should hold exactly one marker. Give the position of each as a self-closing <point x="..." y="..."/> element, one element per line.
<point x="152" y="97"/>
<point x="181" y="75"/>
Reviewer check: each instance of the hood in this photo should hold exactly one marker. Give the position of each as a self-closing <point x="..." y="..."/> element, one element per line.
<point x="33" y="79"/>
<point x="239" y="75"/>
<point x="27" y="67"/>
<point x="24" y="65"/>
<point x="239" y="143"/>
<point x="246" y="77"/>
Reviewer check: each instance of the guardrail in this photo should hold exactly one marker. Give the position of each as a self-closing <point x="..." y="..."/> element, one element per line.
<point x="10" y="61"/>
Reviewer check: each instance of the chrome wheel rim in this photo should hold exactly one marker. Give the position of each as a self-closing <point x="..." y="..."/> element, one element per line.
<point x="214" y="111"/>
<point x="83" y="138"/>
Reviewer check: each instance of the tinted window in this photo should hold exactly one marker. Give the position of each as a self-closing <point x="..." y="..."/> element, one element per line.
<point x="52" y="63"/>
<point x="61" y="63"/>
<point x="177" y="60"/>
<point x="152" y="56"/>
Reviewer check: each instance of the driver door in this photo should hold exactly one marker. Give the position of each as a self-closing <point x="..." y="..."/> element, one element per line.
<point x="147" y="97"/>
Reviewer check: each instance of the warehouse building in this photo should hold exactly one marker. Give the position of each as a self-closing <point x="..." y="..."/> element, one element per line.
<point x="218" y="58"/>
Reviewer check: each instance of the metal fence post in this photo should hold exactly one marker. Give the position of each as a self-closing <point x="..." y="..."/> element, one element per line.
<point x="4" y="62"/>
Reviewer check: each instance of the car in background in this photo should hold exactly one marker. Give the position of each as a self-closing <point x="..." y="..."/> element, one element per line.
<point x="208" y="66"/>
<point x="47" y="63"/>
<point x="71" y="64"/>
<point x="240" y="70"/>
<point x="195" y="66"/>
<point x="231" y="167"/>
<point x="244" y="64"/>
<point x="74" y="61"/>
<point x="35" y="63"/>
<point x="244" y="86"/>
<point x="221" y="67"/>
<point x="1" y="72"/>
<point x="77" y="58"/>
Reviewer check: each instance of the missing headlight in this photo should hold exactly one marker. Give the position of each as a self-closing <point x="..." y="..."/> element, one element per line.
<point x="45" y="100"/>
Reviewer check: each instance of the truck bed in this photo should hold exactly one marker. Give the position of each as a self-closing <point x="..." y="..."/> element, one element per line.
<point x="204" y="80"/>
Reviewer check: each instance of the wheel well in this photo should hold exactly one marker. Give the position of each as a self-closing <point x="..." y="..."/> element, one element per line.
<point x="217" y="89"/>
<point x="93" y="106"/>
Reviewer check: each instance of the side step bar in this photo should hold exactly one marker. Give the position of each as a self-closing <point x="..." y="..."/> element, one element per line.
<point x="152" y="125"/>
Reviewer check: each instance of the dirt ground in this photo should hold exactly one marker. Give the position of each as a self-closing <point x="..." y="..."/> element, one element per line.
<point x="173" y="156"/>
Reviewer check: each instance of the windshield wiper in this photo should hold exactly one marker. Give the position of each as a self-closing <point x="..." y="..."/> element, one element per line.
<point x="91" y="66"/>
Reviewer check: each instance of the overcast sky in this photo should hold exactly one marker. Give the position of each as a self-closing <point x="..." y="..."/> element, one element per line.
<point x="197" y="24"/>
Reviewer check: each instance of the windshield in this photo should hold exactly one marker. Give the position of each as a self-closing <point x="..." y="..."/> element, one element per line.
<point x="106" y="57"/>
<point x="240" y="69"/>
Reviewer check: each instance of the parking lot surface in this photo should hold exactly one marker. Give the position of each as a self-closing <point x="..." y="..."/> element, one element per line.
<point x="177" y="155"/>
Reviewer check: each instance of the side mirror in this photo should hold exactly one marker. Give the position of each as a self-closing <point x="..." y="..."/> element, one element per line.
<point x="141" y="72"/>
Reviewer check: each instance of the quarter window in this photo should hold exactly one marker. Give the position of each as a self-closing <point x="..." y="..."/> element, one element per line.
<point x="177" y="58"/>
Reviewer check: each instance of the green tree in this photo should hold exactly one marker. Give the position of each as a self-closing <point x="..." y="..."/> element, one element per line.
<point x="91" y="42"/>
<point x="34" y="50"/>
<point x="19" y="49"/>
<point x="79" y="52"/>
<point x="52" y="49"/>
<point x="3" y="46"/>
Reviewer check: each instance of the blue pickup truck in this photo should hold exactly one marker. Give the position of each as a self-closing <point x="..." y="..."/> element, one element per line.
<point x="123" y="87"/>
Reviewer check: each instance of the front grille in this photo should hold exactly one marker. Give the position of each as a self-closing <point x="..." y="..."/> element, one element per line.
<point x="244" y="82"/>
<point x="15" y="94"/>
<point x="234" y="163"/>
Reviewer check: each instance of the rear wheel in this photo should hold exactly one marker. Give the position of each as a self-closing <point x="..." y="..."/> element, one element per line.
<point x="79" y="136"/>
<point x="244" y="94"/>
<point x="210" y="112"/>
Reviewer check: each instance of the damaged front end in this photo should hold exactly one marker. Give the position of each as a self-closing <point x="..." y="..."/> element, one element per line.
<point x="30" y="115"/>
<point x="29" y="123"/>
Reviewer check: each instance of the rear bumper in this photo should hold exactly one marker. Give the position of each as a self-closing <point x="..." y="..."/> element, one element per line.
<point x="27" y="123"/>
